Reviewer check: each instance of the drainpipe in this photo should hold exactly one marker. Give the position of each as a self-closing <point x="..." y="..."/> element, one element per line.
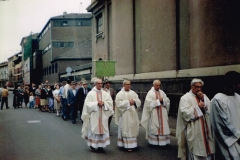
<point x="177" y="35"/>
<point x="134" y="38"/>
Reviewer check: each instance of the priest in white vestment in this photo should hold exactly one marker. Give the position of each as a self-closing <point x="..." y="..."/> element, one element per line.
<point x="155" y="116"/>
<point x="126" y="116"/>
<point x="194" y="133"/>
<point x="98" y="107"/>
<point x="225" y="118"/>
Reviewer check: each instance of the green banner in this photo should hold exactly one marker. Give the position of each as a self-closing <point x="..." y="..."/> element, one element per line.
<point x="105" y="68"/>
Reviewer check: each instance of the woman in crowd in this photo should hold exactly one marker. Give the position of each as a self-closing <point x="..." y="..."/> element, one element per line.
<point x="50" y="99"/>
<point x="56" y="99"/>
<point x="38" y="94"/>
<point x="26" y="96"/>
<point x="20" y="95"/>
<point x="43" y="99"/>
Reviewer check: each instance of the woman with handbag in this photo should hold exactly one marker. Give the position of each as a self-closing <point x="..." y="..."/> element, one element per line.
<point x="56" y="99"/>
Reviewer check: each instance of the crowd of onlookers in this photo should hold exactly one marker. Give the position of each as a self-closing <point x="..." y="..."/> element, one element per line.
<point x="45" y="97"/>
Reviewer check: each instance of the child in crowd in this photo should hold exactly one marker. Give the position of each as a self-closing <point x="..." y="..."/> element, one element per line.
<point x="31" y="100"/>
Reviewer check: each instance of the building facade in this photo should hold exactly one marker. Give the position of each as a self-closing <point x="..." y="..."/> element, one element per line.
<point x="173" y="41"/>
<point x="15" y="69"/>
<point x="65" y="41"/>
<point x="28" y="44"/>
<point x="3" y="74"/>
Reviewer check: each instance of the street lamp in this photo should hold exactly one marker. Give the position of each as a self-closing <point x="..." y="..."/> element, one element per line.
<point x="74" y="69"/>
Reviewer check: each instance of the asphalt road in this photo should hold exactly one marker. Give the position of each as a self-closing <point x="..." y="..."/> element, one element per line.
<point x="28" y="134"/>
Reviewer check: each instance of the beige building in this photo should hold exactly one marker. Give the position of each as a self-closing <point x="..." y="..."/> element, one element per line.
<point x="169" y="40"/>
<point x="3" y="74"/>
<point x="15" y="67"/>
<point x="65" y="41"/>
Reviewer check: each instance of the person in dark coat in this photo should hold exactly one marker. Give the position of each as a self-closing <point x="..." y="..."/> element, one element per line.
<point x="81" y="95"/>
<point x="26" y="96"/>
<point x="16" y="103"/>
<point x="71" y="100"/>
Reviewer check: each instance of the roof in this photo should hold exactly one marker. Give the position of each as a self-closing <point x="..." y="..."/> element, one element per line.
<point x="73" y="15"/>
<point x="81" y="51"/>
<point x="34" y="36"/>
<point x="68" y="16"/>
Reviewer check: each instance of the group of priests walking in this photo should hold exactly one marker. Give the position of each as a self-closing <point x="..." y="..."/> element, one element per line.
<point x="204" y="127"/>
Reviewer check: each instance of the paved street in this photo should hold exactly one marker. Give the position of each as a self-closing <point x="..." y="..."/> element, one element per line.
<point x="27" y="134"/>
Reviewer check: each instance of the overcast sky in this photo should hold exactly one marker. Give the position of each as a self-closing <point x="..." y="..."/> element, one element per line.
<point x="18" y="18"/>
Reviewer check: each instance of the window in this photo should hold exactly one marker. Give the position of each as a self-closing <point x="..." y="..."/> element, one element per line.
<point x="65" y="23"/>
<point x="71" y="44"/>
<point x="44" y="71"/>
<point x="99" y="20"/>
<point x="86" y="23"/>
<point x="52" y="68"/>
<point x="83" y="23"/>
<point x="56" y="67"/>
<point x="47" y="48"/>
<point x="49" y="68"/>
<point x="63" y="44"/>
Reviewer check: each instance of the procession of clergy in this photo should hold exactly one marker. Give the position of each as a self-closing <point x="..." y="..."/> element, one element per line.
<point x="200" y="122"/>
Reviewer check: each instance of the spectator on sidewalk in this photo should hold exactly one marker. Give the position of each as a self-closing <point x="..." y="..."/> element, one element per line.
<point x="81" y="95"/>
<point x="16" y="103"/>
<point x="195" y="139"/>
<point x="65" y="108"/>
<point x="155" y="116"/>
<point x="26" y="96"/>
<point x="71" y="100"/>
<point x="56" y="95"/>
<point x="38" y="94"/>
<point x="31" y="100"/>
<point x="4" y="95"/>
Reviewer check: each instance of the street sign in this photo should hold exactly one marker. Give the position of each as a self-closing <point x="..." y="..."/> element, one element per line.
<point x="69" y="69"/>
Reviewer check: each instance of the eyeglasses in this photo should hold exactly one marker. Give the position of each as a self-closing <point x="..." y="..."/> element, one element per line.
<point x="198" y="86"/>
<point x="98" y="83"/>
<point x="127" y="84"/>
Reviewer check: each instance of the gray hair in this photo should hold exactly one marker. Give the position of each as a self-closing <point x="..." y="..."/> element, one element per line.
<point x="97" y="80"/>
<point x="155" y="81"/>
<point x="125" y="81"/>
<point x="196" y="80"/>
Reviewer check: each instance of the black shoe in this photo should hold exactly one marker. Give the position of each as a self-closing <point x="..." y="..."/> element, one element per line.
<point x="93" y="149"/>
<point x="101" y="150"/>
<point x="1" y="109"/>
<point x="7" y="107"/>
<point x="73" y="121"/>
<point x="64" y="118"/>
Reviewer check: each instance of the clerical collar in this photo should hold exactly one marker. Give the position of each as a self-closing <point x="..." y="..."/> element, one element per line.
<point x="192" y="93"/>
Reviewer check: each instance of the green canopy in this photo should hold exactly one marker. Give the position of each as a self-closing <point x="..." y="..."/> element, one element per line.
<point x="105" y="68"/>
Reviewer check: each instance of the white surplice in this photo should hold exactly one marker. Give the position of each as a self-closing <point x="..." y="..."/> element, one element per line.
<point x="194" y="133"/>
<point x="126" y="118"/>
<point x="155" y="118"/>
<point x="225" y="119"/>
<point x="95" y="119"/>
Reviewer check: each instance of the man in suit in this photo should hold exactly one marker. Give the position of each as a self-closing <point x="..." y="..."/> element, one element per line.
<point x="65" y="108"/>
<point x="71" y="100"/>
<point x="81" y="95"/>
<point x="111" y="91"/>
